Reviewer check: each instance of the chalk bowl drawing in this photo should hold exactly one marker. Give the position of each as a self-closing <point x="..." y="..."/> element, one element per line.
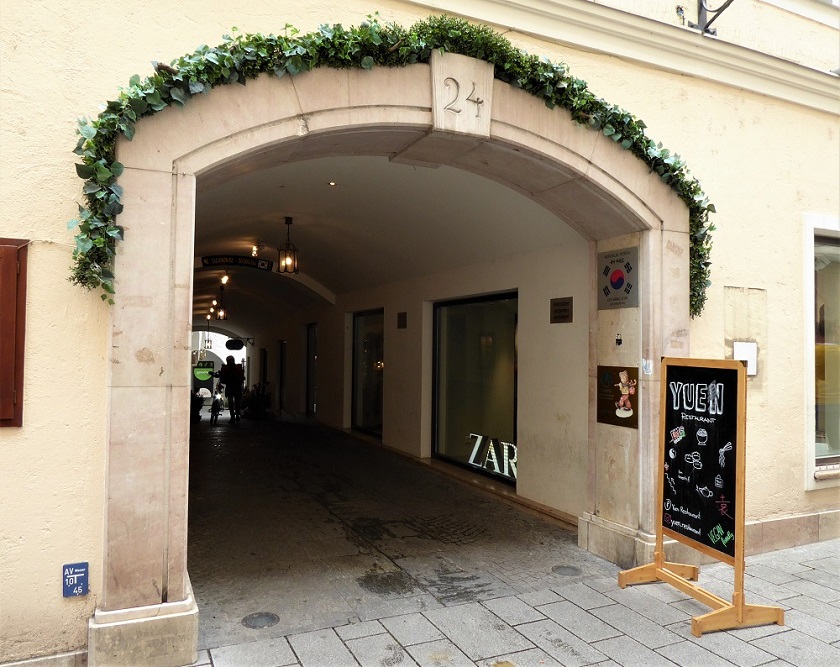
<point x="722" y="454"/>
<point x="704" y="491"/>
<point x="702" y="437"/>
<point x="694" y="460"/>
<point x="718" y="481"/>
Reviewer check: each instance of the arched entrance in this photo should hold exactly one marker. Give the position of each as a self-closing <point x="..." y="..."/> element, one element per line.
<point x="450" y="113"/>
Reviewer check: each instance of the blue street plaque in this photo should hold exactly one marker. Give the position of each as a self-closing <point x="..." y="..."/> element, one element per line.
<point x="75" y="578"/>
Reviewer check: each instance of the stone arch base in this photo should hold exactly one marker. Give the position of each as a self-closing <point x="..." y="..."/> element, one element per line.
<point x="146" y="613"/>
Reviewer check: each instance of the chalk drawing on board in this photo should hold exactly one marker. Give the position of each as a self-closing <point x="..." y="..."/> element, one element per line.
<point x="694" y="460"/>
<point x="722" y="459"/>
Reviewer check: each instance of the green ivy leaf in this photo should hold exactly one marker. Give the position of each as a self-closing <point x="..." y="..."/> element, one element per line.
<point x="84" y="171"/>
<point x="179" y="96"/>
<point x="87" y="131"/>
<point x="103" y="174"/>
<point x="83" y="244"/>
<point x="367" y="62"/>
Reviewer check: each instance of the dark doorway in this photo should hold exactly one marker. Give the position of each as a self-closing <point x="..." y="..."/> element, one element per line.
<point x="368" y="370"/>
<point x="311" y="369"/>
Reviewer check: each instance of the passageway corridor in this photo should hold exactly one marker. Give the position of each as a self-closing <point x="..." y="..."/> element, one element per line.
<point x="320" y="529"/>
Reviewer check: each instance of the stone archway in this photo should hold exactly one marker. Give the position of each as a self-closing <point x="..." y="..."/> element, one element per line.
<point x="451" y="112"/>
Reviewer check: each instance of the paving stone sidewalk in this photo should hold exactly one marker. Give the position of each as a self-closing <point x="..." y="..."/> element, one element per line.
<point x="362" y="558"/>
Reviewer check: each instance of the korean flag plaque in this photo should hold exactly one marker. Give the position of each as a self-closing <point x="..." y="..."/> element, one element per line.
<point x="618" y="279"/>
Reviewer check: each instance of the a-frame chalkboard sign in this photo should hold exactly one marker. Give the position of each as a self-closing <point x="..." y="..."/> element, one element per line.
<point x="701" y="466"/>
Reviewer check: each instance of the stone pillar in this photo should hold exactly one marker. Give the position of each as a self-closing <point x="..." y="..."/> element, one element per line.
<point x="621" y="525"/>
<point x="147" y="614"/>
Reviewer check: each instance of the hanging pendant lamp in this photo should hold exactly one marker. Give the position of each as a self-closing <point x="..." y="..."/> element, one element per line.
<point x="221" y="311"/>
<point x="208" y="344"/>
<point x="287" y="261"/>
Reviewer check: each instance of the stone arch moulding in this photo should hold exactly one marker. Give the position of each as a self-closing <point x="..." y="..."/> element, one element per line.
<point x="590" y="183"/>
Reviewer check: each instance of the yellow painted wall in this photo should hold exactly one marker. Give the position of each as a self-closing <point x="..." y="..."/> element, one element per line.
<point x="761" y="161"/>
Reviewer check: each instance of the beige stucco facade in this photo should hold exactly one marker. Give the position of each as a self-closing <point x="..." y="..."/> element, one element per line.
<point x="102" y="452"/>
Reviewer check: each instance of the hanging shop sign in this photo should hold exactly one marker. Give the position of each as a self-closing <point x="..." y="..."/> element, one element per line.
<point x="618" y="279"/>
<point x="618" y="396"/>
<point x="203" y="370"/>
<point x="701" y="464"/>
<point x="237" y="260"/>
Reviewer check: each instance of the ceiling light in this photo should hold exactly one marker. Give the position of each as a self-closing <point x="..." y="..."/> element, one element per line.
<point x="221" y="312"/>
<point x="225" y="278"/>
<point x="332" y="183"/>
<point x="287" y="261"/>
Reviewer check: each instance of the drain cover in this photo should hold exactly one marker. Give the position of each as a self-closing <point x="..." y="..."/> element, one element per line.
<point x="262" y="619"/>
<point x="566" y="570"/>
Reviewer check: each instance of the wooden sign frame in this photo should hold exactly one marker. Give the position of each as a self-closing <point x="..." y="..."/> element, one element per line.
<point x="725" y="615"/>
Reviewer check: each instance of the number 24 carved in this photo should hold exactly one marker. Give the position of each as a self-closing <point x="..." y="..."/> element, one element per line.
<point x="451" y="106"/>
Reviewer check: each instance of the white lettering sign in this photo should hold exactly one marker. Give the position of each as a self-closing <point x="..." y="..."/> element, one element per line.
<point x="493" y="455"/>
<point x="706" y="398"/>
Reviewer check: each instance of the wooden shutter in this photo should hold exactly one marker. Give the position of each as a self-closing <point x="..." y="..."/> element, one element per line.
<point x="12" y="327"/>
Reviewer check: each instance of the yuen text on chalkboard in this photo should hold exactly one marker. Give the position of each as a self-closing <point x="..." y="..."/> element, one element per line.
<point x="699" y="458"/>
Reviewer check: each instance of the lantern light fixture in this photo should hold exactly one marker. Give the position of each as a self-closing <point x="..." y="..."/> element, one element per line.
<point x="221" y="311"/>
<point x="208" y="344"/>
<point x="287" y="261"/>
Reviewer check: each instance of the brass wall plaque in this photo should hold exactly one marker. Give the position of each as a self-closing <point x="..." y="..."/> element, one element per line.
<point x="562" y="310"/>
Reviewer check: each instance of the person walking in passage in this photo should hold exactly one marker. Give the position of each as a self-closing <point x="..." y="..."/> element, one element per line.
<point x="232" y="377"/>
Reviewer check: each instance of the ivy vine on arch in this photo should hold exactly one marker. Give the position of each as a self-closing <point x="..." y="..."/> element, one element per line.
<point x="245" y="56"/>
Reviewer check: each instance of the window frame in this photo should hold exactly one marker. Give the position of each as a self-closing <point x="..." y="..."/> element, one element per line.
<point x="825" y="225"/>
<point x="12" y="328"/>
<point x="437" y="306"/>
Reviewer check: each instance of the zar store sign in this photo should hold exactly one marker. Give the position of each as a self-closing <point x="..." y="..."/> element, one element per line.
<point x="494" y="456"/>
<point x="618" y="274"/>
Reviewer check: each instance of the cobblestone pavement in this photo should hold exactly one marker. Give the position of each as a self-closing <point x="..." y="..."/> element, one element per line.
<point x="345" y="554"/>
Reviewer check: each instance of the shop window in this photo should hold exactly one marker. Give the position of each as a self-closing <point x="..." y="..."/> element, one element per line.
<point x="368" y="371"/>
<point x="826" y="353"/>
<point x="12" y="327"/>
<point x="475" y="384"/>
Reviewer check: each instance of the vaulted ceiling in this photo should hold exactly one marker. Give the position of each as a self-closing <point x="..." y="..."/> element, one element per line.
<point x="380" y="223"/>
